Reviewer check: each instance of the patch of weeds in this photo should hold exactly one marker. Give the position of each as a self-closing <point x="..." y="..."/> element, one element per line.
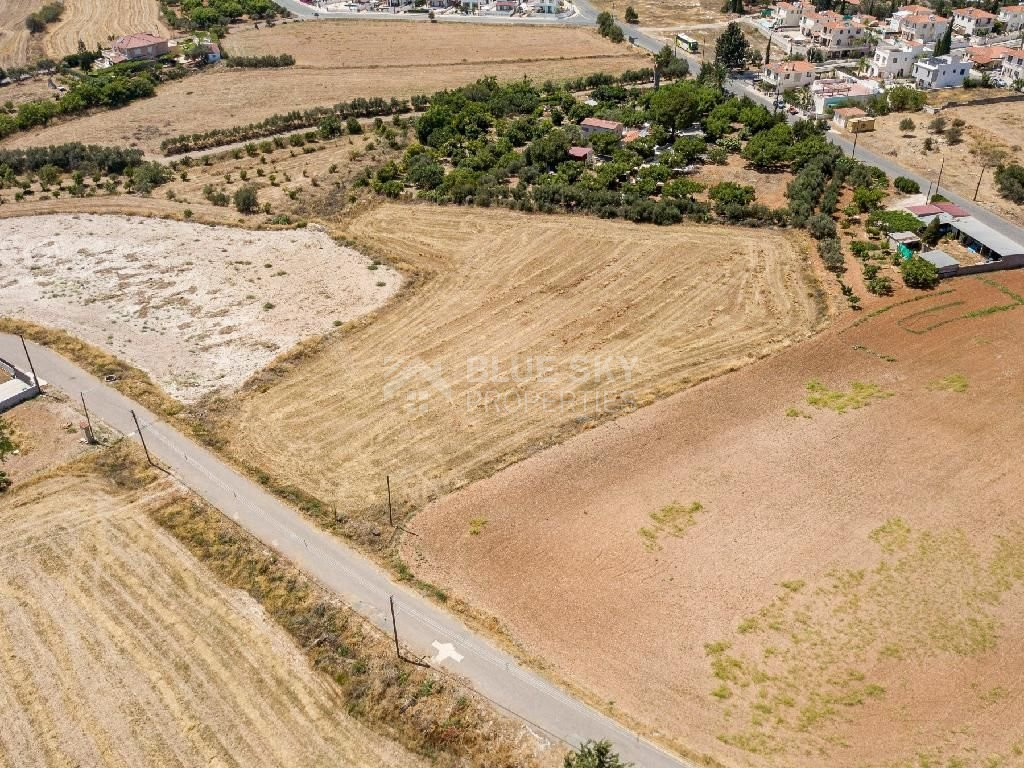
<point x="953" y="383"/>
<point x="860" y="394"/>
<point x="793" y="586"/>
<point x="795" y="413"/>
<point x="891" y="536"/>
<point x="722" y="692"/>
<point x="672" y="520"/>
<point x="268" y="306"/>
<point x="477" y="525"/>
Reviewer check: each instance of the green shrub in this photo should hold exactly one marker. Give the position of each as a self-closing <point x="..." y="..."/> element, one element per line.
<point x="918" y="273"/>
<point x="906" y="186"/>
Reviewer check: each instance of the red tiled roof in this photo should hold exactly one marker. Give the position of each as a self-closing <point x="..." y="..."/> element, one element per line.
<point x="850" y="112"/>
<point x="596" y="122"/>
<point x="791" y="66"/>
<point x="974" y="13"/>
<point x="580" y="153"/>
<point x="924" y="210"/>
<point x="138" y="40"/>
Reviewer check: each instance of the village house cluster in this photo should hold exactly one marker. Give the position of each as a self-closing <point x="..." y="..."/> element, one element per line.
<point x="849" y="57"/>
<point x="521" y="8"/>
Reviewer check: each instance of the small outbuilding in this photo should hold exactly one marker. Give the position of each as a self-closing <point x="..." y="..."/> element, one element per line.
<point x="946" y="265"/>
<point x="905" y="243"/>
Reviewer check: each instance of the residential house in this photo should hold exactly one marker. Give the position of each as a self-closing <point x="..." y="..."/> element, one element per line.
<point x="500" y="7"/>
<point x="812" y="22"/>
<point x="853" y="119"/>
<point x="973" y="21"/>
<point x="947" y="71"/>
<point x="842" y="39"/>
<point x="546" y="6"/>
<point x="907" y="10"/>
<point x="926" y="27"/>
<point x="1013" y="67"/>
<point x="140" y="46"/>
<point x="895" y="60"/>
<point x="988" y="58"/>
<point x="583" y="154"/>
<point x="787" y="75"/>
<point x="592" y="125"/>
<point x="1012" y="16"/>
<point x="787" y="15"/>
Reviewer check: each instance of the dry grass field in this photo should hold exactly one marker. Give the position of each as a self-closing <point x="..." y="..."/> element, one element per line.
<point x="118" y="648"/>
<point x="199" y="308"/>
<point x="608" y="314"/>
<point x="673" y="13"/>
<point x="221" y="97"/>
<point x="816" y="560"/>
<point x="1000" y="125"/>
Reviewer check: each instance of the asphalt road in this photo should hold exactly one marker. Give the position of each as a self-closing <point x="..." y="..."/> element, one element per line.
<point x="425" y="630"/>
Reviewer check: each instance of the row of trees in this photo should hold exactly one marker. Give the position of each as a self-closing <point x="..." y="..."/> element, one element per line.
<point x="291" y="121"/>
<point x="269" y="61"/>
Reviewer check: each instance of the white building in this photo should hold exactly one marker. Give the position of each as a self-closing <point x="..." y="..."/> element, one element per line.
<point x="946" y="71"/>
<point x="787" y="75"/>
<point x="787" y="15"/>
<point x="1013" y="68"/>
<point x="1012" y="16"/>
<point x="812" y="22"/>
<point x="926" y="27"/>
<point x="973" y="21"/>
<point x="895" y="60"/>
<point x="842" y="39"/>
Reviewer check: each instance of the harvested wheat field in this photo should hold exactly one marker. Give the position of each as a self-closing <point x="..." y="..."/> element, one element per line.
<point x="118" y="648"/>
<point x="816" y="560"/>
<point x="97" y="22"/>
<point x="520" y="331"/>
<point x="199" y="308"/>
<point x="16" y="44"/>
<point x="667" y="13"/>
<point x="221" y="98"/>
<point x="999" y="126"/>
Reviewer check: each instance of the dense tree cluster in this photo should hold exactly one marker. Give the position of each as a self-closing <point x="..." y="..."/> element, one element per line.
<point x="70" y="157"/>
<point x="491" y="144"/>
<point x="215" y="14"/>
<point x="49" y="13"/>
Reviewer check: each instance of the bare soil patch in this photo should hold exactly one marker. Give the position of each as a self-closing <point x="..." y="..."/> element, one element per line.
<point x="118" y="648"/>
<point x="221" y="97"/>
<point x="46" y="433"/>
<point x="814" y="560"/>
<point x="1000" y="125"/>
<point x="671" y="13"/>
<point x="198" y="308"/>
<point x="770" y="187"/>
<point x="645" y="310"/>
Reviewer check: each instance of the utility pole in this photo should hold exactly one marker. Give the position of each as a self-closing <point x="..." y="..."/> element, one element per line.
<point x="394" y="626"/>
<point x="143" y="439"/>
<point x="978" y="187"/>
<point x="90" y="434"/>
<point x="35" y="378"/>
<point x="391" y="519"/>
<point x="856" y="135"/>
<point x="938" y="182"/>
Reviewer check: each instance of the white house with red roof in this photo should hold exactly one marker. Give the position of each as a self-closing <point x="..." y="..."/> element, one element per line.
<point x="788" y="15"/>
<point x="926" y="27"/>
<point x="894" y="60"/>
<point x="787" y="75"/>
<point x="973" y="21"/>
<point x="1012" y="16"/>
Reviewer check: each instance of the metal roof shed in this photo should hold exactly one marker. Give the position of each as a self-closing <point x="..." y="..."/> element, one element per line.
<point x="986" y="240"/>
<point x="944" y="263"/>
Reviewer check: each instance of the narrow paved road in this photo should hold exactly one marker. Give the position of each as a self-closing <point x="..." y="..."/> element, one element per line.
<point x="424" y="628"/>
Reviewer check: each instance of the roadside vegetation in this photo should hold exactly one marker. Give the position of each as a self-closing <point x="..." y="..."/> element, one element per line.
<point x="216" y="15"/>
<point x="262" y="62"/>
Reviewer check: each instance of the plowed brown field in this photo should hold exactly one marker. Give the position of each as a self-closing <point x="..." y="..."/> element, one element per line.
<point x="615" y="314"/>
<point x="753" y="574"/>
<point x="117" y="648"/>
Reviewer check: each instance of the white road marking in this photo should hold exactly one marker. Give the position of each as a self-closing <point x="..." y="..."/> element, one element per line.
<point x="446" y="651"/>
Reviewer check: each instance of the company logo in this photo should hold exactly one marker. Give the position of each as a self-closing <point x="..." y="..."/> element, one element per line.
<point x="417" y="382"/>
